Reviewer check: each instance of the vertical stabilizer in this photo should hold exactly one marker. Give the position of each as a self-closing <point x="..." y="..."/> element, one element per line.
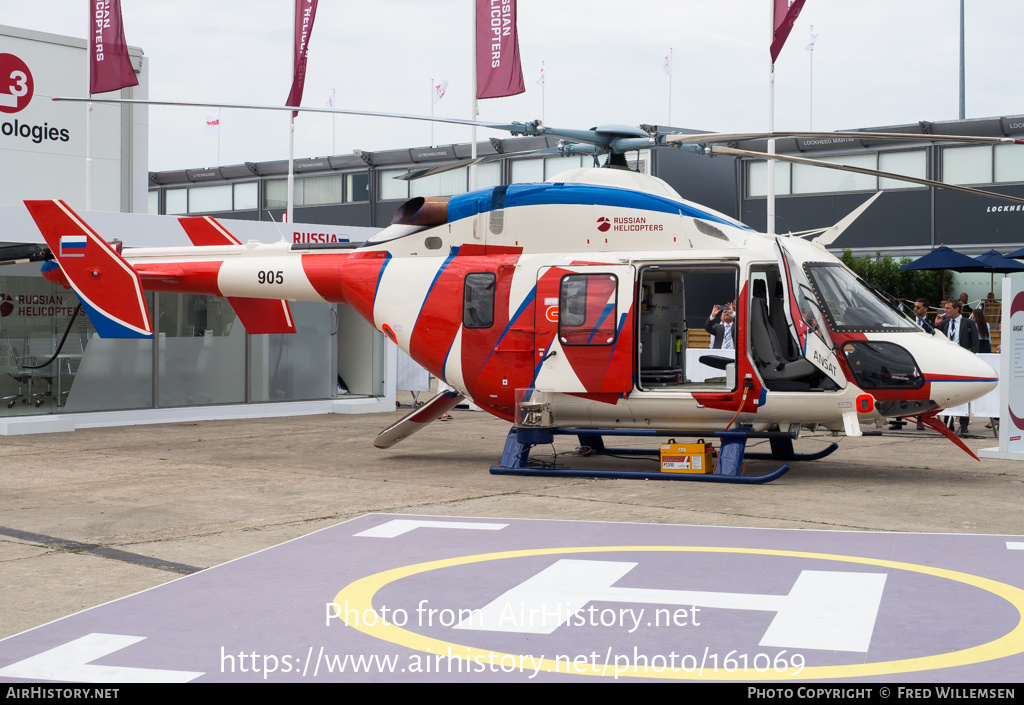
<point x="109" y="289"/>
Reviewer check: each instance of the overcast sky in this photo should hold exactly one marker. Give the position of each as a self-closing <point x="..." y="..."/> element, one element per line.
<point x="876" y="63"/>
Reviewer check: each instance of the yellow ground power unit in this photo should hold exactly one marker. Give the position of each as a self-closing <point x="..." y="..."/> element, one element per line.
<point x="695" y="458"/>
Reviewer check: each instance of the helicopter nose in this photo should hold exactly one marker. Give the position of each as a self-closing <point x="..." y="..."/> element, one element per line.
<point x="964" y="377"/>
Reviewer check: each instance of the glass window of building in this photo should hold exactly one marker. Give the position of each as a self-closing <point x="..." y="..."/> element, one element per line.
<point x="910" y="163"/>
<point x="392" y="189"/>
<point x="527" y="171"/>
<point x="1009" y="163"/>
<point x="320" y="190"/>
<point x="556" y="165"/>
<point x="448" y="183"/>
<point x="967" y="165"/>
<point x="247" y="196"/>
<point x="488" y="174"/>
<point x="297" y="366"/>
<point x="201" y="344"/>
<point x="154" y="203"/>
<point x="209" y="199"/>
<point x="357" y="187"/>
<point x="813" y="179"/>
<point x="757" y="179"/>
<point x="176" y="202"/>
<point x="87" y="374"/>
<point x="275" y="193"/>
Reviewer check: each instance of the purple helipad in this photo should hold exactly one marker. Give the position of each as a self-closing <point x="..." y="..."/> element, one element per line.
<point x="404" y="598"/>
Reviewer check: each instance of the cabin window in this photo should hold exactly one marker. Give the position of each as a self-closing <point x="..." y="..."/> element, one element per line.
<point x="478" y="300"/>
<point x="587" y="309"/>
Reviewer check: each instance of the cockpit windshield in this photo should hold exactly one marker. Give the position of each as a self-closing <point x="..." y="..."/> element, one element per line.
<point x="849" y="304"/>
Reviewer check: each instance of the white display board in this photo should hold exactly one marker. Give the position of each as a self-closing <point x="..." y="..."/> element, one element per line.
<point x="1011" y="425"/>
<point x="1011" y="375"/>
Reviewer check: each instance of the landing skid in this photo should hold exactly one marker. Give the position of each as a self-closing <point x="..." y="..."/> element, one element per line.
<point x="520" y="441"/>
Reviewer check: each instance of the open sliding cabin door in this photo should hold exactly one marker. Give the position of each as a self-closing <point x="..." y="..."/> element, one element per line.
<point x="585" y="330"/>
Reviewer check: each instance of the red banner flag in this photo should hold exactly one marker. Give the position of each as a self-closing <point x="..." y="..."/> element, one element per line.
<point x="110" y="69"/>
<point x="786" y="12"/>
<point x="498" y="70"/>
<point x="305" y="12"/>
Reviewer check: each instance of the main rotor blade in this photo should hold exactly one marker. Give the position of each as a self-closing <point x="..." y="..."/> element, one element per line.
<point x="21" y="254"/>
<point x="729" y="151"/>
<point x="715" y="137"/>
<point x="414" y="174"/>
<point x="600" y="136"/>
<point x="285" y="108"/>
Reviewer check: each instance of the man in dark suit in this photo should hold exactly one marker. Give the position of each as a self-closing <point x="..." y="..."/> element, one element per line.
<point x="961" y="330"/>
<point x="921" y="315"/>
<point x="965" y="310"/>
<point x="722" y="326"/>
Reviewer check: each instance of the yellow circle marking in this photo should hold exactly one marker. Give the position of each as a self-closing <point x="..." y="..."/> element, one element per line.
<point x="360" y="593"/>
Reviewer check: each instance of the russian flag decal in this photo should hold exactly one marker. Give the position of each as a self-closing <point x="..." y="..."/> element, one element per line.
<point x="72" y="245"/>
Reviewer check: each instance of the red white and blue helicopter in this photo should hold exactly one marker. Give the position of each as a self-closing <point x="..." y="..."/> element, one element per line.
<point x="562" y="307"/>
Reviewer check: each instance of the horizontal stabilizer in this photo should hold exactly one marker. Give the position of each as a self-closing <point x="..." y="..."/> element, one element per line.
<point x="108" y="287"/>
<point x="261" y="316"/>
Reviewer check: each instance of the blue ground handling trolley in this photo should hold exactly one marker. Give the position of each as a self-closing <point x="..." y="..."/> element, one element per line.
<point x="521" y="440"/>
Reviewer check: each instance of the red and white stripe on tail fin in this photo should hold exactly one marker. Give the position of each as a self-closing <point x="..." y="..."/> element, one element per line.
<point x="257" y="315"/>
<point x="206" y="232"/>
<point x="109" y="289"/>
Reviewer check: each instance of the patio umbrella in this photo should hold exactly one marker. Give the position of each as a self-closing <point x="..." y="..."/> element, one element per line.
<point x="943" y="258"/>
<point x="1016" y="254"/>
<point x="996" y="262"/>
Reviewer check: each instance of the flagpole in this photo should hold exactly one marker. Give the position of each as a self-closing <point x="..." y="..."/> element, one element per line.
<point x="771" y="127"/>
<point x="291" y="169"/>
<point x="543" y="90"/>
<point x="88" y="156"/>
<point x="432" y="95"/>
<point x="291" y="144"/>
<point x="88" y="125"/>
<point x="810" y="100"/>
<point x="963" y="83"/>
<point x="476" y="109"/>
<point x="670" y="86"/>
<point x="334" y="122"/>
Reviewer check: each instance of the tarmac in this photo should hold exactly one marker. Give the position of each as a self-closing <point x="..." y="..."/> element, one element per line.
<point x="98" y="514"/>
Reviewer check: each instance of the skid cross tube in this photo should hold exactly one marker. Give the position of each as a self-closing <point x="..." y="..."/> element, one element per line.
<point x="520" y="441"/>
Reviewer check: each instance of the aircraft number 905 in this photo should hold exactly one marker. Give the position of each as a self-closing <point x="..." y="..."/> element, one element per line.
<point x="270" y="277"/>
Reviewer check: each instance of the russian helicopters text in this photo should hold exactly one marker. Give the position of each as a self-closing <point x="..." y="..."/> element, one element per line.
<point x="572" y="295"/>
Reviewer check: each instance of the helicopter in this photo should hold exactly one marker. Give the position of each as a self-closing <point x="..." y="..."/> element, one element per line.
<point x="561" y="306"/>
